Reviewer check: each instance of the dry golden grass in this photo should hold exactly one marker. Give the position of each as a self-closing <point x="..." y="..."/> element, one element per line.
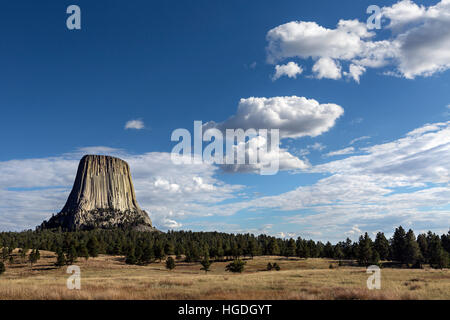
<point x="108" y="277"/>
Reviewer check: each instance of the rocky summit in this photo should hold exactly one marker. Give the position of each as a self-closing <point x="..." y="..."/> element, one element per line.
<point x="102" y="197"/>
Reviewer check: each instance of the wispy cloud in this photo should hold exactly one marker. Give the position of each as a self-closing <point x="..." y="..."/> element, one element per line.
<point x="317" y="146"/>
<point x="359" y="139"/>
<point x="348" y="150"/>
<point x="135" y="124"/>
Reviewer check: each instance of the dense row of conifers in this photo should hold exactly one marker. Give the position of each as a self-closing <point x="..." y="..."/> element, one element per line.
<point x="146" y="247"/>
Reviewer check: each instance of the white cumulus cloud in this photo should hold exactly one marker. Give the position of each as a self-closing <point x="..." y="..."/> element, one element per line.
<point x="290" y="70"/>
<point x="294" y="116"/>
<point x="326" y="68"/>
<point x="419" y="43"/>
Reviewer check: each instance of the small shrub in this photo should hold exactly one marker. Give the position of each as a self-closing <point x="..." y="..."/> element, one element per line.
<point x="269" y="266"/>
<point x="60" y="259"/>
<point x="2" y="268"/>
<point x="276" y="266"/>
<point x="206" y="264"/>
<point x="236" y="266"/>
<point x="170" y="263"/>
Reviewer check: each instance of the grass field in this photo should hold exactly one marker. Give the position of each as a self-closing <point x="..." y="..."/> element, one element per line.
<point x="108" y="277"/>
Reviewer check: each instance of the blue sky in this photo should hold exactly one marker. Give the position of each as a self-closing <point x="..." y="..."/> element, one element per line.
<point x="65" y="93"/>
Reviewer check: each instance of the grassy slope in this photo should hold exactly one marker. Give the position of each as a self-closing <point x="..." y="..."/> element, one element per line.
<point x="107" y="277"/>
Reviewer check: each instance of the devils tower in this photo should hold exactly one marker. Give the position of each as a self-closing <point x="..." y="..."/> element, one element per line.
<point x="102" y="197"/>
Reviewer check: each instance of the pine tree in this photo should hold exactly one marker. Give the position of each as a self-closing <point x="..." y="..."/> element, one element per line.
<point x="159" y="251"/>
<point x="328" y="250"/>
<point x="169" y="248"/>
<point x="300" y="248"/>
<point x="439" y="258"/>
<point x="220" y="251"/>
<point x="365" y="250"/>
<point x="269" y="267"/>
<point x="194" y="252"/>
<point x="381" y="245"/>
<point x="274" y="249"/>
<point x="399" y="245"/>
<point x="445" y="240"/>
<point x="23" y="253"/>
<point x="5" y="253"/>
<point x="93" y="247"/>
<point x="139" y="254"/>
<point x="83" y="252"/>
<point x="148" y="255"/>
<point x="71" y="255"/>
<point x="61" y="258"/>
<point x="307" y="247"/>
<point x="375" y="259"/>
<point x="32" y="258"/>
<point x="252" y="248"/>
<point x="423" y="245"/>
<point x="291" y="247"/>
<point x="117" y="248"/>
<point x="235" y="252"/>
<point x="206" y="264"/>
<point x="179" y="250"/>
<point x="311" y="249"/>
<point x="131" y="258"/>
<point x="2" y="268"/>
<point x="348" y="249"/>
<point x="338" y="253"/>
<point x="170" y="263"/>
<point x="412" y="251"/>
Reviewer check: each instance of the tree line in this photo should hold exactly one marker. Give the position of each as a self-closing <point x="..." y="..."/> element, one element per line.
<point x="141" y="248"/>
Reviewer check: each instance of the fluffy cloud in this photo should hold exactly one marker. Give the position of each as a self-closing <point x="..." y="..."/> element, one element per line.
<point x="135" y="124"/>
<point x="290" y="70"/>
<point x="418" y="46"/>
<point x="326" y="68"/>
<point x="280" y="158"/>
<point x="294" y="116"/>
<point x="308" y="39"/>
<point x="423" y="36"/>
<point x="355" y="72"/>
